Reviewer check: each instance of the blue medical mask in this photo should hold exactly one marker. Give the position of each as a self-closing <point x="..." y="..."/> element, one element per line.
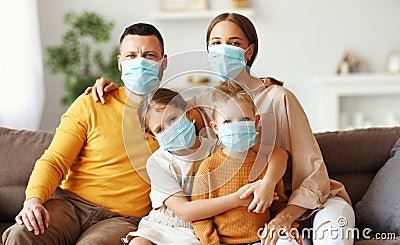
<point x="238" y="136"/>
<point x="180" y="135"/>
<point x="226" y="60"/>
<point x="140" y="75"/>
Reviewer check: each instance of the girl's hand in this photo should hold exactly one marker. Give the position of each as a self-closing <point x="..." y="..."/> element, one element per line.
<point x="263" y="196"/>
<point x="102" y="86"/>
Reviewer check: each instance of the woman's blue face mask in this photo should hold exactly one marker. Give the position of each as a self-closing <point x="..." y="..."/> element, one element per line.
<point x="238" y="136"/>
<point x="226" y="60"/>
<point x="140" y="75"/>
<point x="180" y="135"/>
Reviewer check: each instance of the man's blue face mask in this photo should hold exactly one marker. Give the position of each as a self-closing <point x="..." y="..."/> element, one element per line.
<point x="140" y="75"/>
<point x="238" y="136"/>
<point x="180" y="135"/>
<point x="226" y="60"/>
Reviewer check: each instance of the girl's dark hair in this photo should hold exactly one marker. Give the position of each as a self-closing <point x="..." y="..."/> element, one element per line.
<point x="143" y="29"/>
<point x="158" y="101"/>
<point x="244" y="23"/>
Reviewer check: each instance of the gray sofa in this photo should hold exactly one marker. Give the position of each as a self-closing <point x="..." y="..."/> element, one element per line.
<point x="352" y="157"/>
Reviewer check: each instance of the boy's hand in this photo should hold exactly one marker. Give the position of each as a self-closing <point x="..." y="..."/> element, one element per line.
<point x="102" y="86"/>
<point x="263" y="194"/>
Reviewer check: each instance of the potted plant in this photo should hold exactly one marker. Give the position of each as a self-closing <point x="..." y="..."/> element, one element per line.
<point x="79" y="58"/>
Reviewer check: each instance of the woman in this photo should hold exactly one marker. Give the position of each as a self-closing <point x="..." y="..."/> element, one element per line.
<point x="312" y="192"/>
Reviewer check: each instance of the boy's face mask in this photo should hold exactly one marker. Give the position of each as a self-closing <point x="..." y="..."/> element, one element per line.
<point x="140" y="75"/>
<point x="226" y="60"/>
<point x="238" y="136"/>
<point x="180" y="135"/>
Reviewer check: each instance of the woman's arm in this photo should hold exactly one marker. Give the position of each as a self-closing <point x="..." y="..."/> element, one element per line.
<point x="282" y="222"/>
<point x="263" y="191"/>
<point x="204" y="208"/>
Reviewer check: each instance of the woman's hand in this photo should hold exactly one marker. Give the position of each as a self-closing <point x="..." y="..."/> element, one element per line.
<point x="263" y="196"/>
<point x="280" y="226"/>
<point x="34" y="216"/>
<point x="283" y="223"/>
<point x="102" y="85"/>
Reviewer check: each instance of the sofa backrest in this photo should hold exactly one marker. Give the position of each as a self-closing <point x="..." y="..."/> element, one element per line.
<point x="19" y="150"/>
<point x="354" y="157"/>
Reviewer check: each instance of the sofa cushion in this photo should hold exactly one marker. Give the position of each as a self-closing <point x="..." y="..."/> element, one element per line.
<point x="379" y="208"/>
<point x="19" y="150"/>
<point x="354" y="157"/>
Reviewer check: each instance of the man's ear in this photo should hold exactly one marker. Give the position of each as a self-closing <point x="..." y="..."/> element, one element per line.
<point x="165" y="62"/>
<point x="214" y="126"/>
<point x="119" y="62"/>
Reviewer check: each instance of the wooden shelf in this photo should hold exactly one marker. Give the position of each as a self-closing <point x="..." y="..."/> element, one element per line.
<point x="198" y="15"/>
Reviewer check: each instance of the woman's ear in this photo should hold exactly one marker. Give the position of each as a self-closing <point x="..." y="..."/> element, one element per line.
<point x="214" y="126"/>
<point x="257" y="120"/>
<point x="249" y="53"/>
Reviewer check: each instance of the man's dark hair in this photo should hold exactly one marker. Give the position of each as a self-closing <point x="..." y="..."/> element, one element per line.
<point x="143" y="29"/>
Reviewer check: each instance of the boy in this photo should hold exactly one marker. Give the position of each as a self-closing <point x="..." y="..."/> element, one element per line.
<point x="235" y="122"/>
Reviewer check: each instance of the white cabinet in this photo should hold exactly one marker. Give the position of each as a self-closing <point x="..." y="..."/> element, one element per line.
<point x="358" y="101"/>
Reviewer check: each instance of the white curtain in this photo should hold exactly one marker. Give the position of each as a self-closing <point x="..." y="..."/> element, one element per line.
<point x="21" y="65"/>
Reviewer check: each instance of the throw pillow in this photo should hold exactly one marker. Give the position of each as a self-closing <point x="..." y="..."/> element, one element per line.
<point x="379" y="208"/>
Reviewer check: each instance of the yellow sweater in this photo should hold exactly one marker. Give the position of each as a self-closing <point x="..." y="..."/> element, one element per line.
<point x="101" y="152"/>
<point x="221" y="175"/>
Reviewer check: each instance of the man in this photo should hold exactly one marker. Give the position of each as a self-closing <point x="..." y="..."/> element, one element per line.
<point x="99" y="154"/>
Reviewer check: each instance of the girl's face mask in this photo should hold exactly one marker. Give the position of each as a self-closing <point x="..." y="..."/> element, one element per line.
<point x="238" y="136"/>
<point x="140" y="75"/>
<point x="226" y="60"/>
<point x="180" y="135"/>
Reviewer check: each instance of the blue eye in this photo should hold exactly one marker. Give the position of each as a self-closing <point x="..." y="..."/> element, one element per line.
<point x="245" y="119"/>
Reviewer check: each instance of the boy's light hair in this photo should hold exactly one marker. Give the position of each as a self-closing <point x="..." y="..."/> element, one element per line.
<point x="229" y="90"/>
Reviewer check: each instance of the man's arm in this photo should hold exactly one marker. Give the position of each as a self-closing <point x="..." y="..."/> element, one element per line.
<point x="52" y="167"/>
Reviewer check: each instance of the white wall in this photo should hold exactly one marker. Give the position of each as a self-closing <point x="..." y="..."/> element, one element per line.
<point x="299" y="40"/>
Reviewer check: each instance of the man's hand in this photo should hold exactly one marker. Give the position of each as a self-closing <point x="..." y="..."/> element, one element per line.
<point x="263" y="195"/>
<point x="34" y="216"/>
<point x="102" y="86"/>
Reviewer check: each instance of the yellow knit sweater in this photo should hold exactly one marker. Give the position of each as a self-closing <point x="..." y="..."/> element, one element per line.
<point x="100" y="152"/>
<point x="220" y="175"/>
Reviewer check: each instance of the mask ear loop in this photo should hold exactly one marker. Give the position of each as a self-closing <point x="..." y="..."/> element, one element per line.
<point x="247" y="60"/>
